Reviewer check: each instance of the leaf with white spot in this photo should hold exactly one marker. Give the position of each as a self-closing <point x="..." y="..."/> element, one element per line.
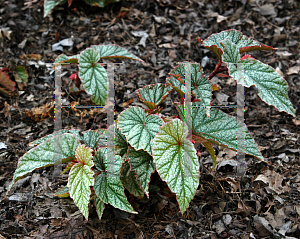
<point x="142" y="163"/>
<point x="67" y="59"/>
<point x="50" y="4"/>
<point x="56" y="150"/>
<point x="139" y="128"/>
<point x="93" y="75"/>
<point x="109" y="187"/>
<point x="272" y="88"/>
<point x="81" y="177"/>
<point x="176" y="85"/>
<point x="100" y="206"/>
<point x="130" y="181"/>
<point x="152" y="95"/>
<point x="200" y="84"/>
<point x="222" y="129"/>
<point x="231" y="52"/>
<point x="176" y="161"/>
<point x="243" y="43"/>
<point x="114" y="51"/>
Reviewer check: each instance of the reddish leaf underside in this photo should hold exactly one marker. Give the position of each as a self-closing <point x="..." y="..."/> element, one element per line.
<point x="6" y="82"/>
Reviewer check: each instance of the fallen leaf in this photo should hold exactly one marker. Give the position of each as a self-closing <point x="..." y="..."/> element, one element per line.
<point x="293" y="70"/>
<point x="41" y="113"/>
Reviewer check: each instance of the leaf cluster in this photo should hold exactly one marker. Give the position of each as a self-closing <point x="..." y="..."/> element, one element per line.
<point x="144" y="141"/>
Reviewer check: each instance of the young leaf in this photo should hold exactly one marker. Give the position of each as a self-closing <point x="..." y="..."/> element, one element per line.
<point x="64" y="193"/>
<point x="6" y="82"/>
<point x="130" y="181"/>
<point x="142" y="163"/>
<point x="21" y="76"/>
<point x="46" y="154"/>
<point x="176" y="161"/>
<point x="243" y="43"/>
<point x="50" y="4"/>
<point x="114" y="51"/>
<point x="138" y="128"/>
<point x="99" y="204"/>
<point x="109" y="187"/>
<point x="272" y="88"/>
<point x="93" y="75"/>
<point x="153" y="95"/>
<point x="222" y="129"/>
<point x="81" y="177"/>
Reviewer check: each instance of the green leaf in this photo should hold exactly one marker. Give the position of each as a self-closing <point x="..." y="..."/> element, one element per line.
<point x="222" y="129"/>
<point x="46" y="154"/>
<point x="200" y="84"/>
<point x="142" y="163"/>
<point x="49" y="136"/>
<point x="6" y="81"/>
<point x="109" y="187"/>
<point x="50" y="4"/>
<point x="272" y="88"/>
<point x="176" y="85"/>
<point x="93" y="75"/>
<point x="121" y="144"/>
<point x="64" y="193"/>
<point x="231" y="53"/>
<point x="176" y="161"/>
<point x="114" y="51"/>
<point x="181" y="111"/>
<point x="152" y="95"/>
<point x="138" y="128"/>
<point x="100" y="159"/>
<point x="91" y="137"/>
<point x="81" y="177"/>
<point x="130" y="181"/>
<point x="21" y="76"/>
<point x="99" y="204"/>
<point x="67" y="59"/>
<point x="84" y="155"/>
<point x="243" y="43"/>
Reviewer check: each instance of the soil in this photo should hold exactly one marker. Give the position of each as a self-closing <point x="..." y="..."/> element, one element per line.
<point x="264" y="203"/>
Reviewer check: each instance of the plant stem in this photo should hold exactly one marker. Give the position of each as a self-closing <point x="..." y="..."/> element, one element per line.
<point x="217" y="70"/>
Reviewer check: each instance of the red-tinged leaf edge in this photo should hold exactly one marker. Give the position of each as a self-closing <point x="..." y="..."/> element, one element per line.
<point x="257" y="48"/>
<point x="150" y="104"/>
<point x="219" y="52"/>
<point x="64" y="193"/>
<point x="6" y="81"/>
<point x="136" y="176"/>
<point x="181" y="93"/>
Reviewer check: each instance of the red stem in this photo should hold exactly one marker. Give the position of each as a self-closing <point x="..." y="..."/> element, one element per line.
<point x="217" y="70"/>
